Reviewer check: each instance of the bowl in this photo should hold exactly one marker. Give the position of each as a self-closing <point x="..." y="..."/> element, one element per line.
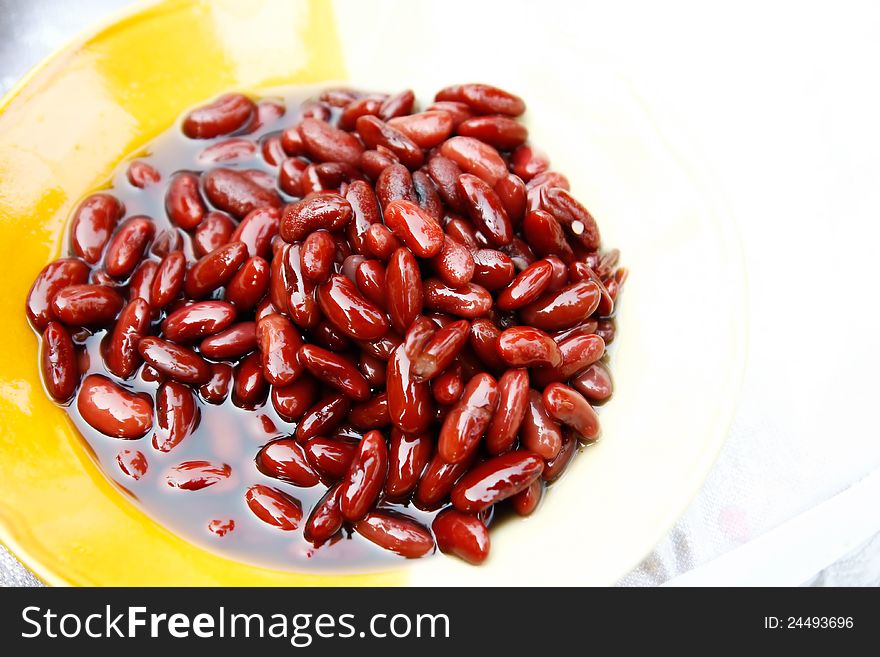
<point x="677" y="360"/>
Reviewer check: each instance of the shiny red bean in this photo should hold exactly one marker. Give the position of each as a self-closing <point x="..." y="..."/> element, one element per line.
<point x="375" y="133"/>
<point x="183" y="201"/>
<point x="279" y="343"/>
<point x="525" y="346"/>
<point x="437" y="481"/>
<point x="496" y="479"/>
<point x="286" y="460"/>
<point x="59" y="362"/>
<point x="404" y="289"/>
<point x="448" y="385"/>
<point x="133" y="463"/>
<point x="502" y="132"/>
<point x="274" y="507"/>
<point x="371" y="414"/>
<point x="216" y="389"/>
<point x="579" y="351"/>
<point x="142" y="175"/>
<point x="225" y="115"/>
<point x="474" y="157"/>
<point x="93" y="222"/>
<point x="324" y="143"/>
<point x="331" y="458"/>
<point x="249" y="284"/>
<point x="493" y="269"/>
<point x="323" y="417"/>
<point x="409" y="400"/>
<point x="569" y="407"/>
<point x="236" y="192"/>
<point x="177" y="415"/>
<point x="527" y="162"/>
<point x="371" y="281"/>
<point x="513" y="399"/>
<point x="539" y="432"/>
<point x="214" y="270"/>
<point x="348" y="311"/>
<point x="395" y="183"/>
<point x="329" y="211"/>
<point x="234" y="342"/>
<point x="564" y="308"/>
<point x="484" y="98"/>
<point x="215" y="230"/>
<point x="380" y="242"/>
<point x="484" y="341"/>
<point x="398" y="534"/>
<point x="468" y="301"/>
<point x="454" y="264"/>
<point x="179" y="363"/>
<point x="113" y="410"/>
<point x="54" y="277"/>
<point x="128" y="245"/>
<point x="463" y="535"/>
<point x="426" y="129"/>
<point x="168" y="280"/>
<point x="317" y="255"/>
<point x="526" y="501"/>
<point x="86" y="305"/>
<point x="528" y="285"/>
<point x="419" y="231"/>
<point x="325" y="519"/>
<point x="229" y="150"/>
<point x="122" y="357"/>
<point x="570" y="212"/>
<point x="365" y="478"/>
<point x="545" y="235"/>
<point x="458" y="111"/>
<point x="335" y="371"/>
<point x="441" y="350"/>
<point x="556" y="466"/>
<point x="594" y="383"/>
<point x="198" y="320"/>
<point x="468" y="420"/>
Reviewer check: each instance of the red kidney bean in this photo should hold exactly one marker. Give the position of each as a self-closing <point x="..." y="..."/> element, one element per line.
<point x="297" y="295"/>
<point x="54" y="277"/>
<point x="141" y="281"/>
<point x="398" y="105"/>
<point x="493" y="269"/>
<point x="526" y="501"/>
<point x="445" y="174"/>
<point x="365" y="478"/>
<point x="528" y="162"/>
<point x="381" y="242"/>
<point x="93" y="222"/>
<point x="468" y="301"/>
<point x="605" y="329"/>
<point x="511" y="191"/>
<point x="448" y="385"/>
<point x="568" y="406"/>
<point x="594" y="383"/>
<point x="323" y="417"/>
<point x="279" y="343"/>
<point x="331" y="458"/>
<point x="167" y="282"/>
<point x="501" y="132"/>
<point x="225" y="115"/>
<point x="441" y="350"/>
<point x="142" y="175"/>
<point x="468" y="420"/>
<point x="229" y="150"/>
<point x="196" y="475"/>
<point x="234" y="342"/>
<point x="179" y="363"/>
<point x="496" y="479"/>
<point x="236" y="192"/>
<point x="286" y="460"/>
<point x="539" y="432"/>
<point x="293" y="400"/>
<point x="214" y="270"/>
<point x="545" y="235"/>
<point x="426" y="129"/>
<point x="373" y="163"/>
<point x="215" y="230"/>
<point x="317" y="254"/>
<point x="325" y="143"/>
<point x="272" y="150"/>
<point x="59" y="362"/>
<point x="328" y="176"/>
<point x="329" y="211"/>
<point x="319" y="111"/>
<point x="415" y="228"/>
<point x="578" y="351"/>
<point x="375" y="133"/>
<point x="292" y="142"/>
<point x="340" y="97"/>
<point x="365" y="209"/>
<point x="371" y="414"/>
<point x="525" y="346"/>
<point x="113" y="410"/>
<point x="462" y="534"/>
<point x="132" y="462"/>
<point x="249" y="284"/>
<point x="560" y="273"/>
<point x="348" y="311"/>
<point x="564" y="308"/>
<point x="484" y="98"/>
<point x="101" y="277"/>
<point x="395" y="183"/>
<point x="483" y="340"/>
<point x="568" y="211"/>
<point x="546" y="180"/>
<point x="463" y="233"/>
<point x="437" y="481"/>
<point x="122" y="357"/>
<point x="408" y="456"/>
<point x="398" y="534"/>
<point x="249" y="385"/>
<point x="86" y="305"/>
<point x="409" y="400"/>
<point x="356" y="109"/>
<point x="183" y="201"/>
<point x="335" y="371"/>
<point x="128" y="245"/>
<point x="383" y="348"/>
<point x="329" y="337"/>
<point x="427" y="195"/>
<point x="216" y="389"/>
<point x="513" y="393"/>
<point x="291" y="175"/>
<point x="475" y="157"/>
<point x="167" y="241"/>
<point x="325" y="519"/>
<point x="454" y="264"/>
<point x="274" y="507"/>
<point x="528" y="285"/>
<point x="404" y="289"/>
<point x="370" y="278"/>
<point x="177" y="415"/>
<point x="198" y="320"/>
<point x="373" y="369"/>
<point x="458" y="111"/>
<point x="555" y="467"/>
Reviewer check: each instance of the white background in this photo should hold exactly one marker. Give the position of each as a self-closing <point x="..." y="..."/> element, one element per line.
<point x="781" y="100"/>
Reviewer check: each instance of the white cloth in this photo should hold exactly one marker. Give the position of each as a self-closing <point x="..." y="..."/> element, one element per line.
<point x="780" y="100"/>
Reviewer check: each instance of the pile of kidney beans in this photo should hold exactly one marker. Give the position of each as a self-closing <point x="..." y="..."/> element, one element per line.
<point x="418" y="294"/>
